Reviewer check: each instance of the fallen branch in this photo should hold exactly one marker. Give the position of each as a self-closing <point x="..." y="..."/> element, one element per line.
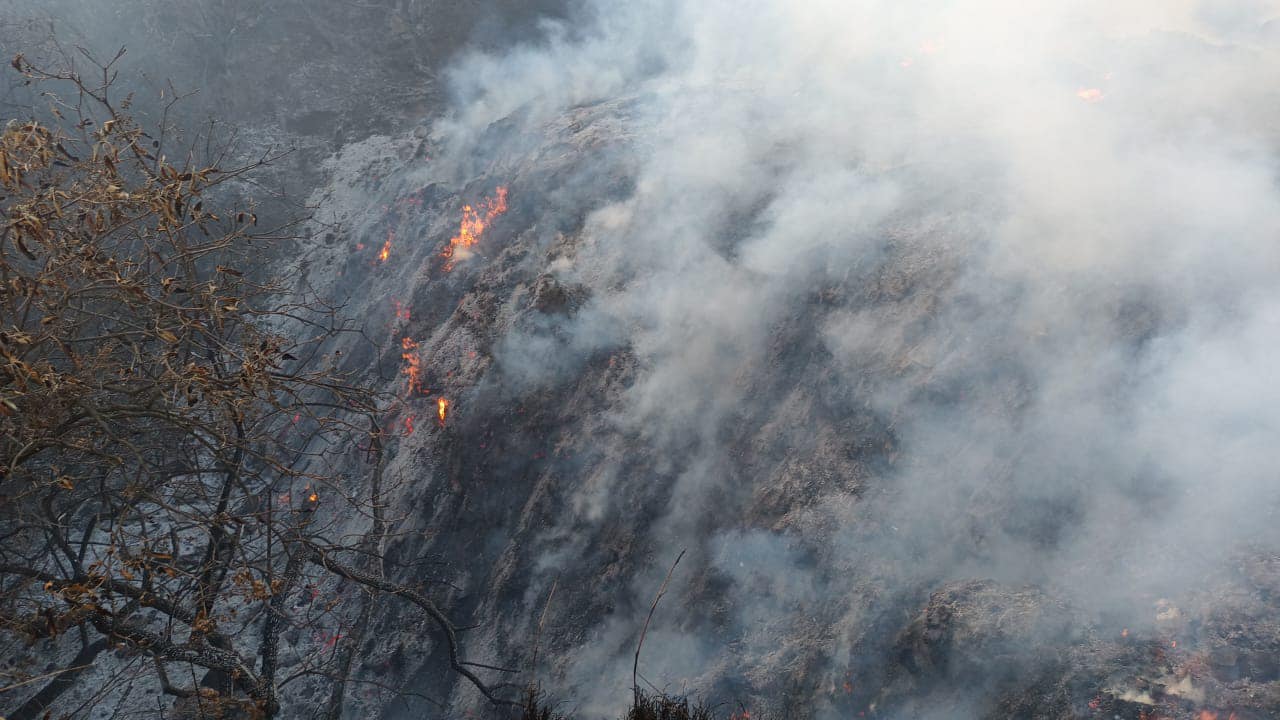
<point x="441" y="620"/>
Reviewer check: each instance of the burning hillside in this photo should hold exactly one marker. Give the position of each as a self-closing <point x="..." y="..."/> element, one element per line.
<point x="922" y="408"/>
<point x="938" y="338"/>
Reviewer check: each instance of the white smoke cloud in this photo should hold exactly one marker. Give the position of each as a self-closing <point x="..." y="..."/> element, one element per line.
<point x="1061" y="220"/>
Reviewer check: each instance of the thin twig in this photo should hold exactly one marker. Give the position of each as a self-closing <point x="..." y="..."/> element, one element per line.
<point x="542" y="621"/>
<point x="38" y="678"/>
<point x="635" y="668"/>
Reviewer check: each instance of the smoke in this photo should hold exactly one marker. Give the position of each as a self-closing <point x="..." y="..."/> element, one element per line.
<point x="1025" y="250"/>
<point x="908" y="293"/>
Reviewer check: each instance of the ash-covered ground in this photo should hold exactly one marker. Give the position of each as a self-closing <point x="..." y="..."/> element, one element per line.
<point x="942" y="338"/>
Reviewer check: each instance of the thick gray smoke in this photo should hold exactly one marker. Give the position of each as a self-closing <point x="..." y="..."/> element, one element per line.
<point x="1061" y="219"/>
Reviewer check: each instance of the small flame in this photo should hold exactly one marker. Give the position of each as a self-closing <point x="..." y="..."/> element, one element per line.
<point x="313" y="497"/>
<point x="442" y="410"/>
<point x="385" y="252"/>
<point x="401" y="311"/>
<point x="1090" y="95"/>
<point x="472" y="227"/>
<point x="408" y="424"/>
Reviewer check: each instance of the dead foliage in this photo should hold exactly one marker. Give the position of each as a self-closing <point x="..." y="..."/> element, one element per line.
<point x="173" y="421"/>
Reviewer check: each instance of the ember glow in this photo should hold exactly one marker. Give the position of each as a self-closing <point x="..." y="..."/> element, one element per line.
<point x="413" y="365"/>
<point x="472" y="227"/>
<point x="442" y="410"/>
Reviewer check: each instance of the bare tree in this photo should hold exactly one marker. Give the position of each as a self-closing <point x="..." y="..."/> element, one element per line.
<point x="176" y="432"/>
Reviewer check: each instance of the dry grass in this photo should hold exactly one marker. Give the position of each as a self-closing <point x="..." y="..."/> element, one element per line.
<point x="647" y="707"/>
<point x="535" y="706"/>
<point x="665" y="707"/>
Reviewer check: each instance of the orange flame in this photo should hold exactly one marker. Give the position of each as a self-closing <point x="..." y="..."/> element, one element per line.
<point x="413" y="364"/>
<point x="385" y="252"/>
<point x="442" y="410"/>
<point x="474" y="222"/>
